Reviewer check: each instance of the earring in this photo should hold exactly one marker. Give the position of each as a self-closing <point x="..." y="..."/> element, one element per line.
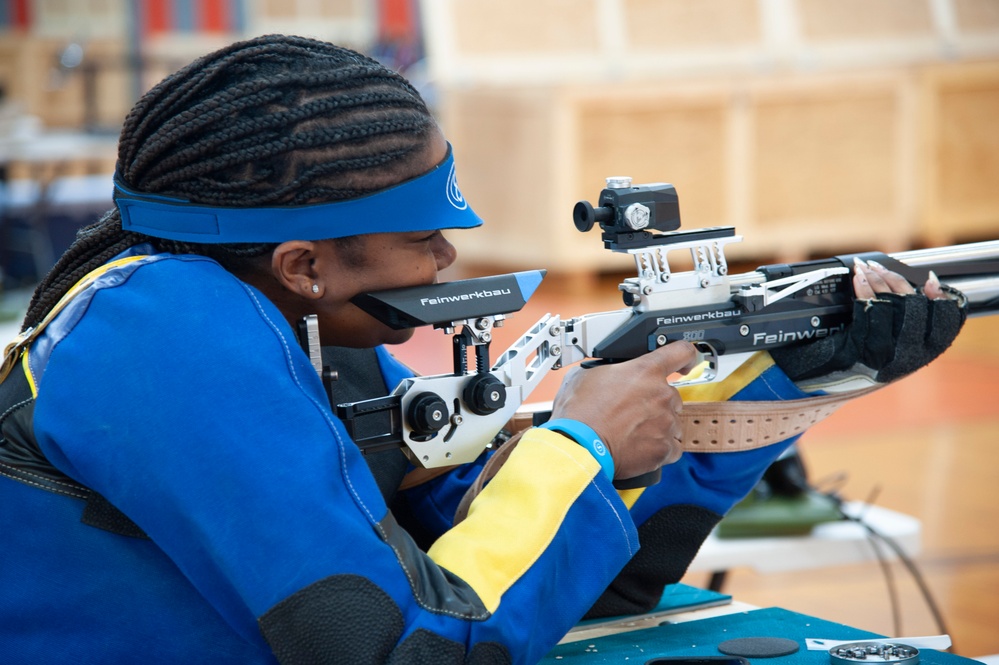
<point x="315" y="288"/>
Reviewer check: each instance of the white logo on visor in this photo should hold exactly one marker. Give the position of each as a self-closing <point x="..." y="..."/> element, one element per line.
<point x="453" y="193"/>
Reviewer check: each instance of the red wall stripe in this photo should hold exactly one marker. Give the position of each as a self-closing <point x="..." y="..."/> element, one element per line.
<point x="214" y="15"/>
<point x="158" y="16"/>
<point x="21" y="14"/>
<point x="397" y="19"/>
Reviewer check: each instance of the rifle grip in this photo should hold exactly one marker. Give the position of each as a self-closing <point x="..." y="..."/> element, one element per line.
<point x="644" y="480"/>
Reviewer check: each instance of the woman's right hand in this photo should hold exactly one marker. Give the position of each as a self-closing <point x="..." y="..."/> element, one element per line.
<point x="631" y="406"/>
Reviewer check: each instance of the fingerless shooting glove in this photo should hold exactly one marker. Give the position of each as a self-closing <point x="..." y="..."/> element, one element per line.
<point x="891" y="336"/>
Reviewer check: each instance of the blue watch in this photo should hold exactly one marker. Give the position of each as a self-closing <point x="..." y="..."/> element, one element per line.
<point x="585" y="436"/>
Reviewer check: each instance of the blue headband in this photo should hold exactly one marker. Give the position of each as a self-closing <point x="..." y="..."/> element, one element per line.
<point x="428" y="202"/>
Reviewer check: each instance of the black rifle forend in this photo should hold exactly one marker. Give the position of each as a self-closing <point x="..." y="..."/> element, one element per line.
<point x="749" y="320"/>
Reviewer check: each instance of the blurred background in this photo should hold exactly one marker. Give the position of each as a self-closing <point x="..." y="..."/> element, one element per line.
<point x="812" y="126"/>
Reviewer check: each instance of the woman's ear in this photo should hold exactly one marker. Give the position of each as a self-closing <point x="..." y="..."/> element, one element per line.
<point x="293" y="264"/>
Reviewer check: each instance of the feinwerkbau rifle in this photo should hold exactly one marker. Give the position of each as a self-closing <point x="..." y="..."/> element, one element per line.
<point x="448" y="419"/>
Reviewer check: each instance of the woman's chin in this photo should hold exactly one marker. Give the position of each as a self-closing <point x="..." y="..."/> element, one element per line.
<point x="398" y="336"/>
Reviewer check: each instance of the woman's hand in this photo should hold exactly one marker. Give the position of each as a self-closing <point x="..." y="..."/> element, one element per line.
<point x="871" y="278"/>
<point x="631" y="406"/>
<point x="895" y="330"/>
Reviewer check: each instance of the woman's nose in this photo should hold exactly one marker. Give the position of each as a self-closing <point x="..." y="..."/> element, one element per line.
<point x="444" y="252"/>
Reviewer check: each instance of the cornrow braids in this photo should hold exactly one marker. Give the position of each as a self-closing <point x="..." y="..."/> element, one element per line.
<point x="272" y="121"/>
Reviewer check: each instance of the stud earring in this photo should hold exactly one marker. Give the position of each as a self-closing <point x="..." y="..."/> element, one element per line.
<point x="315" y="288"/>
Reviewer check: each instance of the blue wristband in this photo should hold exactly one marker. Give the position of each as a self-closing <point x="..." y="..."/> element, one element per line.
<point x="585" y="436"/>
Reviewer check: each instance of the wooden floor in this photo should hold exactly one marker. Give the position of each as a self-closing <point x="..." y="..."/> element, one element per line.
<point x="927" y="446"/>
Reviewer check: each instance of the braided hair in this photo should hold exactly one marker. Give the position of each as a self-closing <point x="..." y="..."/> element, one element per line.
<point x="271" y="121"/>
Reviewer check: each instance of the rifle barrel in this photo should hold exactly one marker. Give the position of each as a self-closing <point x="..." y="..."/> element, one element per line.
<point x="981" y="288"/>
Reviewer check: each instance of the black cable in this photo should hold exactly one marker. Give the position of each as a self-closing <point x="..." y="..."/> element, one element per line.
<point x="910" y="565"/>
<point x="916" y="576"/>
<point x="838" y="480"/>
<point x="896" y="612"/>
<point x="876" y="539"/>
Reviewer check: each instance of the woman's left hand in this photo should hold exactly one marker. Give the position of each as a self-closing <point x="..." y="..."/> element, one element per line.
<point x="871" y="278"/>
<point x="895" y="329"/>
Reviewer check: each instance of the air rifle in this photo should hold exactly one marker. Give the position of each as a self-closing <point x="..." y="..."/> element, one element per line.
<point x="448" y="419"/>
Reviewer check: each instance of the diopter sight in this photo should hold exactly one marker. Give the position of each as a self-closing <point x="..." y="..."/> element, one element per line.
<point x="629" y="214"/>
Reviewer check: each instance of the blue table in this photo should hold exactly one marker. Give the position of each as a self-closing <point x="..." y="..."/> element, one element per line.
<point x="702" y="637"/>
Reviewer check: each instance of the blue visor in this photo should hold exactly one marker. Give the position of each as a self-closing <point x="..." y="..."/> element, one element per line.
<point x="428" y="202"/>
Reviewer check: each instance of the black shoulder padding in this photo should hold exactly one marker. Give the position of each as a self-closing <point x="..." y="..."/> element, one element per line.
<point x="23" y="460"/>
<point x="435" y="588"/>
<point x="409" y="519"/>
<point x="101" y="513"/>
<point x="359" y="377"/>
<point x="669" y="541"/>
<point x="426" y="648"/>
<point x="13" y="389"/>
<point x="349" y="619"/>
<point x="339" y="619"/>
<point x="20" y="456"/>
<point x="489" y="653"/>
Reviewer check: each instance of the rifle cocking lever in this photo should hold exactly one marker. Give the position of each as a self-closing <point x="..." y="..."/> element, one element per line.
<point x="757" y="296"/>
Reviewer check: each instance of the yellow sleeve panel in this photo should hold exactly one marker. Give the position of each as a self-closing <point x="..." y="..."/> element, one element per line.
<point x="630" y="496"/>
<point x="513" y="520"/>
<point x="736" y="381"/>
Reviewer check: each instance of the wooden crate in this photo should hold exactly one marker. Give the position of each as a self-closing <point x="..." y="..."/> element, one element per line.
<point x="812" y="126"/>
<point x="29" y="68"/>
<point x="832" y="164"/>
<point x="960" y="136"/>
<point x="839" y="21"/>
<point x="799" y="166"/>
<point x="561" y="41"/>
